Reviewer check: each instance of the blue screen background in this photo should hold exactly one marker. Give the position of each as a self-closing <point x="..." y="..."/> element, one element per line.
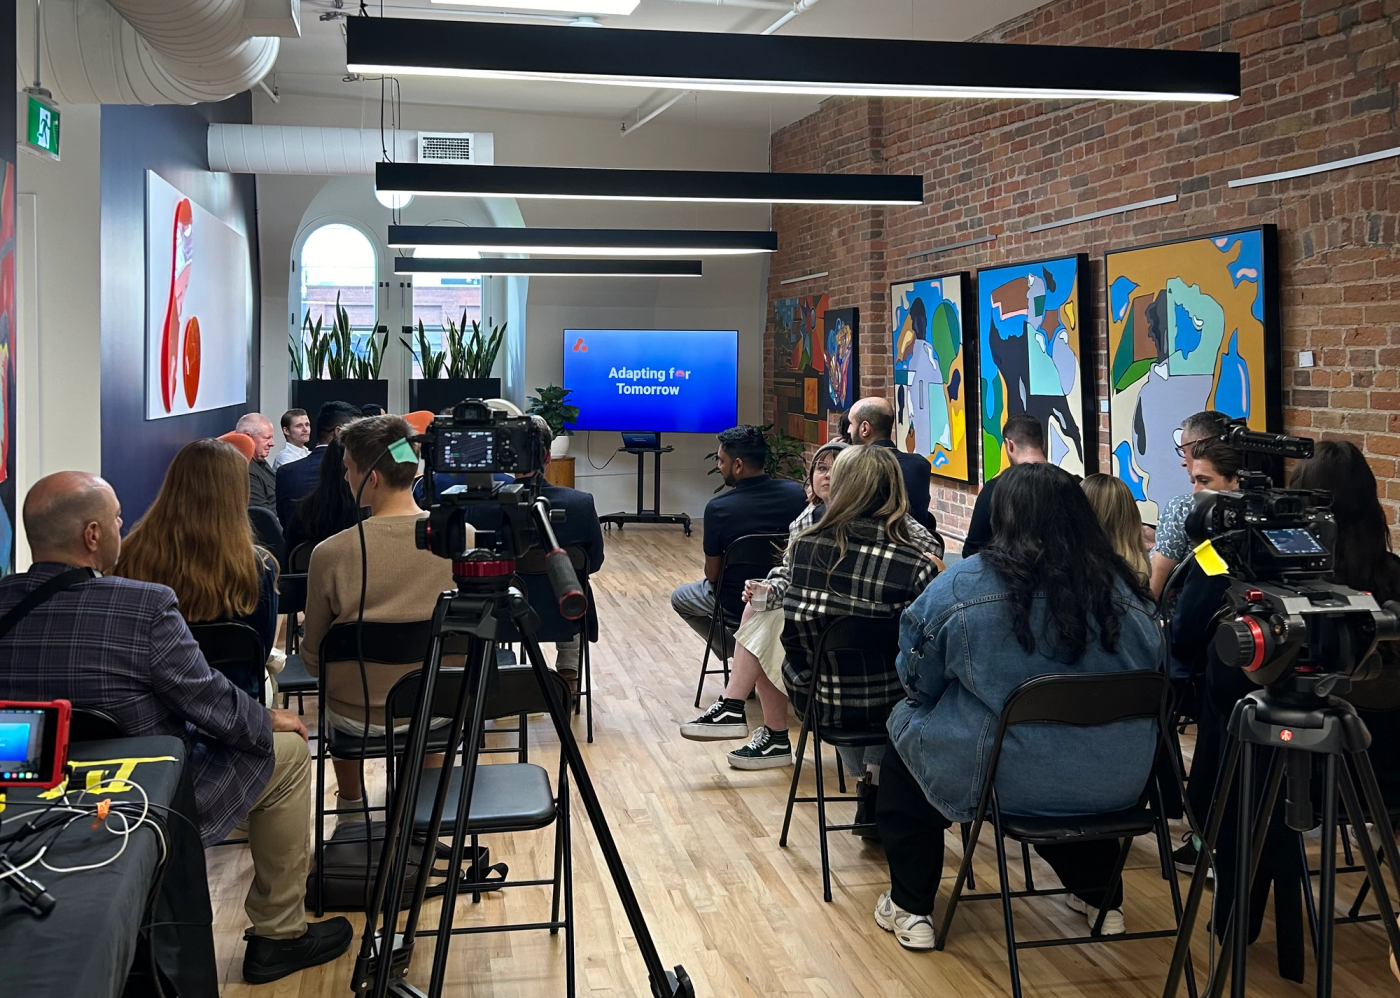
<point x="706" y="398"/>
<point x="14" y="742"/>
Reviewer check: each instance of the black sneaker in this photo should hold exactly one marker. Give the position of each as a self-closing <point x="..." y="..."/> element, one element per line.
<point x="767" y="749"/>
<point x="865" y="811"/>
<point x="1185" y="857"/>
<point x="267" y="960"/>
<point x="724" y="719"/>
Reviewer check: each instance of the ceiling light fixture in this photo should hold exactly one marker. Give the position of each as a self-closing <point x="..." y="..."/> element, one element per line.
<point x="605" y="7"/>
<point x="787" y="64"/>
<point x="577" y="183"/>
<point x="583" y="242"/>
<point x="549" y="268"/>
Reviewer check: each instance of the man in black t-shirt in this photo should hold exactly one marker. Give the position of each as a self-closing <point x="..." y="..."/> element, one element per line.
<point x="755" y="504"/>
<point x="1025" y="444"/>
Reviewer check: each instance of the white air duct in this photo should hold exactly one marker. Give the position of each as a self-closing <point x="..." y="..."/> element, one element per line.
<point x="326" y="152"/>
<point x="144" y="51"/>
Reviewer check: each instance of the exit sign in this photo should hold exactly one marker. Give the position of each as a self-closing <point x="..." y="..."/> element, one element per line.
<point x="42" y="136"/>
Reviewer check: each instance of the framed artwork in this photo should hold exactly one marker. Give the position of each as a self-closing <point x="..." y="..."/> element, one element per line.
<point x="1031" y="320"/>
<point x="1192" y="325"/>
<point x="799" y="367"/>
<point x="840" y="379"/>
<point x="935" y="375"/>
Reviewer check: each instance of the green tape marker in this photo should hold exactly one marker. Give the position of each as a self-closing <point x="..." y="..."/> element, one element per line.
<point x="402" y="452"/>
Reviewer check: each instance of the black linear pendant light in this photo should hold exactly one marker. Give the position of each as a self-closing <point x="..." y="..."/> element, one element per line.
<point x="548" y="268"/>
<point x="576" y="183"/>
<point x="785" y="64"/>
<point x="586" y="242"/>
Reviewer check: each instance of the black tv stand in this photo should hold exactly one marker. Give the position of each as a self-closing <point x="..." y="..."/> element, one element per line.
<point x="643" y="515"/>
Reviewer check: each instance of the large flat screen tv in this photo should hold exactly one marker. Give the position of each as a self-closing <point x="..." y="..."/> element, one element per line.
<point x="668" y="380"/>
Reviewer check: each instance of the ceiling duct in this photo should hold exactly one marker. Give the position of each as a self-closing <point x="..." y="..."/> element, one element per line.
<point x="148" y="51"/>
<point x="333" y="152"/>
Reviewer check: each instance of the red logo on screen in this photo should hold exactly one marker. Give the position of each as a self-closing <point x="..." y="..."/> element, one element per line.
<point x="580" y="346"/>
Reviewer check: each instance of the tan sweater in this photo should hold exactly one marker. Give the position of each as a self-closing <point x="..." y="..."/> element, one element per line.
<point x="404" y="584"/>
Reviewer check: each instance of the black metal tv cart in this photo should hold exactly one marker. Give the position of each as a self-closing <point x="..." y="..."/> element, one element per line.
<point x="644" y="515"/>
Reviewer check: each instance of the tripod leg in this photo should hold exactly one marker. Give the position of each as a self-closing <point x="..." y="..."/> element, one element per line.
<point x="1309" y="902"/>
<point x="1362" y="762"/>
<point x="1243" y="880"/>
<point x="1327" y="878"/>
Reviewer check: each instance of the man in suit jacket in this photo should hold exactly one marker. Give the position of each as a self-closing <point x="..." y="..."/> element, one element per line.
<point x="121" y="646"/>
<point x="872" y="422"/>
<point x="297" y="479"/>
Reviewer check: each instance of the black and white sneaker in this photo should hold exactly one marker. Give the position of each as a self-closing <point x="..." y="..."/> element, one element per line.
<point x="767" y="749"/>
<point x="724" y="719"/>
<point x="1185" y="857"/>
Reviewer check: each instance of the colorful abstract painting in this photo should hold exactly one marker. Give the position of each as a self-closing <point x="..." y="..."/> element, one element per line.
<point x="8" y="502"/>
<point x="841" y="376"/>
<point x="1035" y="359"/>
<point x="1192" y="325"/>
<point x="799" y="368"/>
<point x="934" y="377"/>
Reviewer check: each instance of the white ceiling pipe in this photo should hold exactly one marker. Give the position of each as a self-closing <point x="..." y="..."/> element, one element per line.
<point x="295" y="149"/>
<point x="91" y="54"/>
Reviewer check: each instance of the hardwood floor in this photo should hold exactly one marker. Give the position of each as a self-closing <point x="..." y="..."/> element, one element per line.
<point x="700" y="841"/>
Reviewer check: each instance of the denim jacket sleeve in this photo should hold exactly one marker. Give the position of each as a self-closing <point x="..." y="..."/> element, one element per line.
<point x="923" y="648"/>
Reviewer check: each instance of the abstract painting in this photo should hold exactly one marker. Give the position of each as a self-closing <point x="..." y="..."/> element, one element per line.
<point x="934" y="377"/>
<point x="799" y="368"/>
<point x="841" y="376"/>
<point x="1036" y="358"/>
<point x="1192" y="325"/>
<point x="7" y="371"/>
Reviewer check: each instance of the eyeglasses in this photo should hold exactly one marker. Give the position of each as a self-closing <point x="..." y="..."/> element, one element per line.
<point x="1182" y="446"/>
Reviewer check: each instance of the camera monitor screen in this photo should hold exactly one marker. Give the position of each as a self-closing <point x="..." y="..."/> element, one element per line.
<point x="467" y="450"/>
<point x="1293" y="540"/>
<point x="33" y="743"/>
<point x="665" y="380"/>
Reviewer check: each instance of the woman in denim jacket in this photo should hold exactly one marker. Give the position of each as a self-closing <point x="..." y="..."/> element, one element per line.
<point x="1047" y="595"/>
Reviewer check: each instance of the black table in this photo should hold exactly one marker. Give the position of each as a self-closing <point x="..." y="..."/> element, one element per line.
<point x="92" y="940"/>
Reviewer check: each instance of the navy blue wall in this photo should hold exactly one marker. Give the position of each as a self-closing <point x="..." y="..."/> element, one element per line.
<point x="172" y="141"/>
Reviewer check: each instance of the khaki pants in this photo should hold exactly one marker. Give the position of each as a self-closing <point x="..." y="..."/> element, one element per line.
<point x="279" y="830"/>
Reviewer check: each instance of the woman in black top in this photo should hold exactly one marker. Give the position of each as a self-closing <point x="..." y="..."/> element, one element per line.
<point x="329" y="509"/>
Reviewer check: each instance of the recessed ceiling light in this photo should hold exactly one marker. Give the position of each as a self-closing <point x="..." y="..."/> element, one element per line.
<point x="550" y="268"/>
<point x="438" y="239"/>
<point x="392" y="200"/>
<point x="556" y="6"/>
<point x="787" y="64"/>
<point x="576" y="183"/>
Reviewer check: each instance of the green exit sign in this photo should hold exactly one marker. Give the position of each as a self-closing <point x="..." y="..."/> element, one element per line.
<point x="42" y="137"/>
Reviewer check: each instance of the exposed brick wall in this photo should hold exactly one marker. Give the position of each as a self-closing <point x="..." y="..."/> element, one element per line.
<point x="1320" y="80"/>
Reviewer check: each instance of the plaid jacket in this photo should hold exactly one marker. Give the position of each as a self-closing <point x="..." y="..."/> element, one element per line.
<point x="122" y="646"/>
<point x="876" y="578"/>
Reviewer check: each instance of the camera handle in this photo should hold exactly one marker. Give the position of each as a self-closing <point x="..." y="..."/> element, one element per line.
<point x="1331" y="729"/>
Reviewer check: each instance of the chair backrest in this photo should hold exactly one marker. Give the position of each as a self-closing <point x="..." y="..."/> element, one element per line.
<point x="299" y="558"/>
<point x="514" y="693"/>
<point x="389" y="644"/>
<point x="234" y="649"/>
<point x="753" y="555"/>
<point x="267" y="531"/>
<point x="291" y="593"/>
<point x="851" y="633"/>
<point x="91" y="724"/>
<point x="553" y="625"/>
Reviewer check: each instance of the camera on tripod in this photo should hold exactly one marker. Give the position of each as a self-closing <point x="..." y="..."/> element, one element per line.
<point x="1285" y="619"/>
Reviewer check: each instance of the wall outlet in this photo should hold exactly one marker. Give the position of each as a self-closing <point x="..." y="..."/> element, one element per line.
<point x="1103" y="405"/>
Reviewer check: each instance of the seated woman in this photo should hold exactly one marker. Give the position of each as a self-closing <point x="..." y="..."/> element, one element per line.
<point x="404" y="583"/>
<point x="857" y="560"/>
<point x="1048" y="594"/>
<point x="195" y="539"/>
<point x="329" y="509"/>
<point x="1117" y="513"/>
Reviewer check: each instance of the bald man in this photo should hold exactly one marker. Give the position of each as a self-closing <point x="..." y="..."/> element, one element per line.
<point x="122" y="646"/>
<point x="872" y="422"/>
<point x="262" y="480"/>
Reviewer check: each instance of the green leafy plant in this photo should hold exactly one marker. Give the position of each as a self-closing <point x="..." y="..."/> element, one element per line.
<point x="431" y="362"/>
<point x="787" y="456"/>
<point x="474" y="357"/>
<point x="552" y="404"/>
<point x="310" y="350"/>
<point x="366" y="366"/>
<point x="340" y="353"/>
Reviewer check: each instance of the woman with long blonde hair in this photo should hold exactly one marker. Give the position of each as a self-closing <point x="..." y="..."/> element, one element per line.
<point x="1117" y="513"/>
<point x="196" y="539"/>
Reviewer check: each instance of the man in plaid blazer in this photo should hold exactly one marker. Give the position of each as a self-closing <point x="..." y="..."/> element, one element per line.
<point x="121" y="646"/>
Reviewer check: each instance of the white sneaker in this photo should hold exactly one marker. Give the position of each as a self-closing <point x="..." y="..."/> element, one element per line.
<point x="912" y="931"/>
<point x="1113" y="924"/>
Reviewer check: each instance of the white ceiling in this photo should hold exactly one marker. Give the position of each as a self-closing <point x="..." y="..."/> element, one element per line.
<point x="315" y="63"/>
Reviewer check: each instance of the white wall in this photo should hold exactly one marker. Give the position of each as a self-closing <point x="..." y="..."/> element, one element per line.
<point x="59" y="347"/>
<point x="731" y="295"/>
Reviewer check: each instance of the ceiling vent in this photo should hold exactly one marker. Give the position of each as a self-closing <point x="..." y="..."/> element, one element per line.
<point x="457" y="148"/>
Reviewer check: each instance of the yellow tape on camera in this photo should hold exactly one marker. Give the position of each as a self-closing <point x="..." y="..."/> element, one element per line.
<point x="1209" y="559"/>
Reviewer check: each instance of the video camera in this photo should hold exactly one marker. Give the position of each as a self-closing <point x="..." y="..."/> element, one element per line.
<point x="1284" y="615"/>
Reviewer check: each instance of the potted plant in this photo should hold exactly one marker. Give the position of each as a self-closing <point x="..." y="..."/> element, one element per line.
<point x="460" y="370"/>
<point x="552" y="404"/>
<point x="326" y="366"/>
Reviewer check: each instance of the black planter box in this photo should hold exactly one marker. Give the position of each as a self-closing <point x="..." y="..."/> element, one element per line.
<point x="438" y="394"/>
<point x="311" y="395"/>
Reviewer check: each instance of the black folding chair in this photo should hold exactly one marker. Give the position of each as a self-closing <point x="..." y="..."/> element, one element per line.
<point x="1349" y="865"/>
<point x="236" y="650"/>
<point x="267" y="531"/>
<point x="506" y="797"/>
<point x="92" y="724"/>
<point x="842" y="636"/>
<point x="1079" y="700"/>
<point x="294" y="680"/>
<point x="749" y="557"/>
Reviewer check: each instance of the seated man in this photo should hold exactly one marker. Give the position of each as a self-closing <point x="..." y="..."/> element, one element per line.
<point x="1171" y="543"/>
<point x="297" y="479"/>
<point x="122" y="646"/>
<point x="1024" y="438"/>
<point x="296" y="430"/>
<point x="404" y="584"/>
<point x="755" y="504"/>
<point x="872" y="422"/>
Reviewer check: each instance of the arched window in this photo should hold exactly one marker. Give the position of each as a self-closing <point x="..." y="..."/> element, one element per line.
<point x="338" y="263"/>
<point x="442" y="298"/>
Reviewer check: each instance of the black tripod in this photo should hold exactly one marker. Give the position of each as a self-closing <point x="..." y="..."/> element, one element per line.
<point x="1294" y="724"/>
<point x="484" y="596"/>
